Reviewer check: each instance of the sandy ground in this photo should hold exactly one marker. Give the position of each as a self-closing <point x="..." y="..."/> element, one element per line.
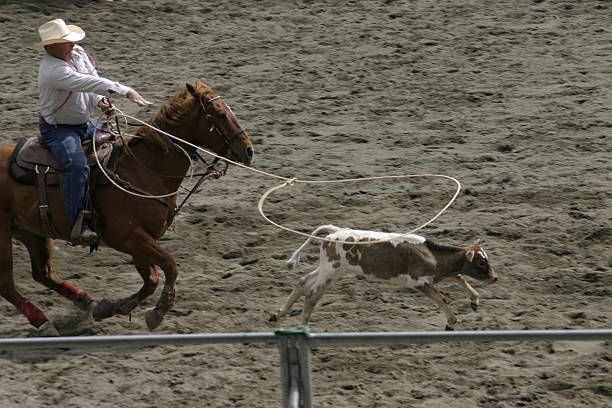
<point x="510" y="97"/>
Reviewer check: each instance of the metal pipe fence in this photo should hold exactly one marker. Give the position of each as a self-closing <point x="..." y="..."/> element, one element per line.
<point x="294" y="346"/>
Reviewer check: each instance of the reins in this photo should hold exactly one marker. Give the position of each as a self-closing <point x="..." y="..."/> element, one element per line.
<point x="212" y="175"/>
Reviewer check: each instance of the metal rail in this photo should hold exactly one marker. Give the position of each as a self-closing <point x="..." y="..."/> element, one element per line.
<point x="294" y="346"/>
<point x="135" y="340"/>
<point x="402" y="338"/>
<point x="352" y="339"/>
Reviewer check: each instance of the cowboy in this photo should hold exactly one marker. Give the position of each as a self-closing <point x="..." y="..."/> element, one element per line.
<point x="70" y="89"/>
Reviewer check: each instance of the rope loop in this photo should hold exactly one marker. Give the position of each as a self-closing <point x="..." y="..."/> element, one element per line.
<point x="310" y="236"/>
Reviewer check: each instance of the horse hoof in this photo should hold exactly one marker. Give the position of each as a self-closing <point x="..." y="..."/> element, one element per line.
<point x="90" y="310"/>
<point x="273" y="318"/>
<point x="102" y="310"/>
<point x="153" y="318"/>
<point x="47" y="329"/>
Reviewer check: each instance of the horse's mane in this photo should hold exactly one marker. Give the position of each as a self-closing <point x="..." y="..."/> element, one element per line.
<point x="171" y="114"/>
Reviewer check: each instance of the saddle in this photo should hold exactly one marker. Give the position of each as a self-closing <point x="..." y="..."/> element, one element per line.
<point x="32" y="157"/>
<point x="33" y="163"/>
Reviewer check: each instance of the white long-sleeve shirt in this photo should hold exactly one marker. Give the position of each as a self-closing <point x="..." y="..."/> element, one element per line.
<point x="70" y="91"/>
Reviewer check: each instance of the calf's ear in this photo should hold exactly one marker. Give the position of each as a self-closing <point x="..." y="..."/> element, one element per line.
<point x="470" y="255"/>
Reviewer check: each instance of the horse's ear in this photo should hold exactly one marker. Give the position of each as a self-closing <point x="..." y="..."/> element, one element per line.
<point x="191" y="89"/>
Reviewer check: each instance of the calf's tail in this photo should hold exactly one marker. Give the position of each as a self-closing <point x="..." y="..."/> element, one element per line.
<point x="295" y="258"/>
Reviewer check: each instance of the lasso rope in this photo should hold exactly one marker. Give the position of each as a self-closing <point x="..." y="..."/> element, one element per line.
<point x="395" y="236"/>
<point x="101" y="167"/>
<point x="291" y="181"/>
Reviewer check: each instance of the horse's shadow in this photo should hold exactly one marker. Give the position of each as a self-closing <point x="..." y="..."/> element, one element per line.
<point x="76" y="323"/>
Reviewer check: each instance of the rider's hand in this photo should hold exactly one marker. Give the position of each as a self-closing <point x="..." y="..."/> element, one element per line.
<point x="106" y="107"/>
<point x="137" y="98"/>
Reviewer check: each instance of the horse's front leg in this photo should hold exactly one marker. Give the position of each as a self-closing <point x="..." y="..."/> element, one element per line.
<point x="146" y="249"/>
<point x="150" y="278"/>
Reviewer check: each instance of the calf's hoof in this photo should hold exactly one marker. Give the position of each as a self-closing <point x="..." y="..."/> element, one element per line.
<point x="47" y="329"/>
<point x="449" y="328"/>
<point x="474" y="306"/>
<point x="153" y="318"/>
<point x="273" y="317"/>
<point x="102" y="310"/>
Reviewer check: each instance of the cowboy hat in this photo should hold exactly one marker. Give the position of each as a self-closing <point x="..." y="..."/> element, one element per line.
<point x="56" y="31"/>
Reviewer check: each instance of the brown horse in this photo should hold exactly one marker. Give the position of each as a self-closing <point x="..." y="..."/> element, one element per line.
<point x="127" y="223"/>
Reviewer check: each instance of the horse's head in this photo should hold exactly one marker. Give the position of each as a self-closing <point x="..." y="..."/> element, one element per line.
<point x="218" y="127"/>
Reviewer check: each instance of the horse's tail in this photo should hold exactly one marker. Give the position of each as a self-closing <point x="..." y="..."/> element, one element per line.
<point x="295" y="258"/>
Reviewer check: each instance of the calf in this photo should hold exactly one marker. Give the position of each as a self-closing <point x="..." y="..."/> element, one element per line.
<point x="417" y="262"/>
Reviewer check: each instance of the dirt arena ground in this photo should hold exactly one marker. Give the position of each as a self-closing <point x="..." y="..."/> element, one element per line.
<point x="510" y="97"/>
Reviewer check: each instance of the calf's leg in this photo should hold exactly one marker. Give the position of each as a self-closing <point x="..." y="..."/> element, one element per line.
<point x="310" y="301"/>
<point x="474" y="298"/>
<point x="432" y="293"/>
<point x="313" y="292"/>
<point x="297" y="292"/>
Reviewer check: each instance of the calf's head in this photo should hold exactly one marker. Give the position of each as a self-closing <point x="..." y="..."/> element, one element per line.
<point x="477" y="265"/>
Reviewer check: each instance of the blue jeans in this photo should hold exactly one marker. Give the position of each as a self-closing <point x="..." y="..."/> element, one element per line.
<point x="65" y="142"/>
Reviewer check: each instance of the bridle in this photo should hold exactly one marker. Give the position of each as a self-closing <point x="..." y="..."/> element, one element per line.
<point x="212" y="125"/>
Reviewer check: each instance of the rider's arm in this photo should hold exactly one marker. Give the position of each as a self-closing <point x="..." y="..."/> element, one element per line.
<point x="62" y="76"/>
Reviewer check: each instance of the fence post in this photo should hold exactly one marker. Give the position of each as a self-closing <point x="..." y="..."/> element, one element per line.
<point x="295" y="367"/>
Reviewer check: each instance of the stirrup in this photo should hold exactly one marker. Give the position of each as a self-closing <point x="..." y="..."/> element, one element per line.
<point x="76" y="235"/>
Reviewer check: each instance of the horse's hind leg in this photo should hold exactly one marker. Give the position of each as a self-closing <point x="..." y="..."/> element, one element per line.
<point x="9" y="291"/>
<point x="43" y="270"/>
<point x="150" y="279"/>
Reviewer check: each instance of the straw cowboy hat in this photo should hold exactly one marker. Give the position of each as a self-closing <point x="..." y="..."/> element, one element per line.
<point x="57" y="31"/>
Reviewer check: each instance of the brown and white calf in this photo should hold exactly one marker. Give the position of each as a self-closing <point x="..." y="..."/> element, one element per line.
<point x="417" y="262"/>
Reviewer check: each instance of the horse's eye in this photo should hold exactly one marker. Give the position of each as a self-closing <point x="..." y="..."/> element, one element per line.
<point x="481" y="263"/>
